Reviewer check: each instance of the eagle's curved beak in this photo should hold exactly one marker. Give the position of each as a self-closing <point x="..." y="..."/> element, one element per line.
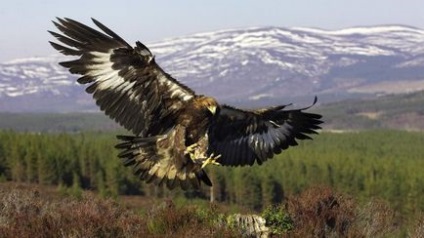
<point x="212" y="109"/>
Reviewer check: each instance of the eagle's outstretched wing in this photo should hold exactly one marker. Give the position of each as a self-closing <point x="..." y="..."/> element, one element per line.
<point x="126" y="82"/>
<point x="242" y="137"/>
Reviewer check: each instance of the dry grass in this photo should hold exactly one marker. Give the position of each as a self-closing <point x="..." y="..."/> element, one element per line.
<point x="34" y="212"/>
<point x="29" y="214"/>
<point x="317" y="212"/>
<point x="418" y="230"/>
<point x="321" y="212"/>
<point x="376" y="219"/>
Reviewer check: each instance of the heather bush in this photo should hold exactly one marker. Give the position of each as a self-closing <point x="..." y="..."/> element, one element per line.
<point x="377" y="219"/>
<point x="31" y="214"/>
<point x="34" y="212"/>
<point x="38" y="211"/>
<point x="320" y="212"/>
<point x="418" y="228"/>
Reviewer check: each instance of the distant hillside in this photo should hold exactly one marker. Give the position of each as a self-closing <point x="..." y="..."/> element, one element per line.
<point x="56" y="122"/>
<point x="403" y="112"/>
<point x="253" y="66"/>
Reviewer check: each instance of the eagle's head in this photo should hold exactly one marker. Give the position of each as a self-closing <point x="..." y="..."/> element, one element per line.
<point x="210" y="104"/>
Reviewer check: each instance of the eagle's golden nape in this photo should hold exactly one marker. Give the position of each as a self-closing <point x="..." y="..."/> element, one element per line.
<point x="176" y="133"/>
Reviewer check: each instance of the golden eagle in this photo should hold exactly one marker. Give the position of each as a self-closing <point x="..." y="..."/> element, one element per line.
<point x="176" y="132"/>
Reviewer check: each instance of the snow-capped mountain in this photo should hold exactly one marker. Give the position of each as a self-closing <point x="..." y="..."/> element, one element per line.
<point x="254" y="65"/>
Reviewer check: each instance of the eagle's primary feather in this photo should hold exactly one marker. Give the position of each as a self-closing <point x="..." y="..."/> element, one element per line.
<point x="176" y="132"/>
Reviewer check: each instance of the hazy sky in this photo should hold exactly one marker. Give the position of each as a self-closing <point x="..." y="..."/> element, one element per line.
<point x="24" y="23"/>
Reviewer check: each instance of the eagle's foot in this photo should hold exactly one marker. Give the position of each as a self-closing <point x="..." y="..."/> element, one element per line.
<point x="211" y="160"/>
<point x="191" y="149"/>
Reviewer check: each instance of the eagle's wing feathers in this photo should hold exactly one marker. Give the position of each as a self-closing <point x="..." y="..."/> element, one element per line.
<point x="126" y="82"/>
<point x="243" y="137"/>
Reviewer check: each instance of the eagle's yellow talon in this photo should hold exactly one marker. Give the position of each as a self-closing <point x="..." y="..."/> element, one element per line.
<point x="211" y="160"/>
<point x="190" y="149"/>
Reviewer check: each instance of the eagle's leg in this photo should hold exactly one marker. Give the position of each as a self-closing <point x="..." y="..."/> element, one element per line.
<point x="211" y="160"/>
<point x="190" y="150"/>
<point x="198" y="155"/>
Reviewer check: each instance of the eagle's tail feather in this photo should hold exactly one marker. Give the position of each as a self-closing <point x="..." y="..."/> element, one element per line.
<point x="154" y="163"/>
<point x="201" y="175"/>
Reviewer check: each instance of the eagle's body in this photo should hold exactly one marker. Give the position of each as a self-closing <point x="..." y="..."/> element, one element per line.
<point x="176" y="132"/>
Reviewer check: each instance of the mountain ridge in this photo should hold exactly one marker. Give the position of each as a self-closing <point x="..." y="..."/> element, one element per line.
<point x="250" y="66"/>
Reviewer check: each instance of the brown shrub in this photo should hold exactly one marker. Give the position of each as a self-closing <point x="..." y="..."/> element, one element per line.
<point x="319" y="212"/>
<point x="28" y="214"/>
<point x="418" y="229"/>
<point x="376" y="219"/>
